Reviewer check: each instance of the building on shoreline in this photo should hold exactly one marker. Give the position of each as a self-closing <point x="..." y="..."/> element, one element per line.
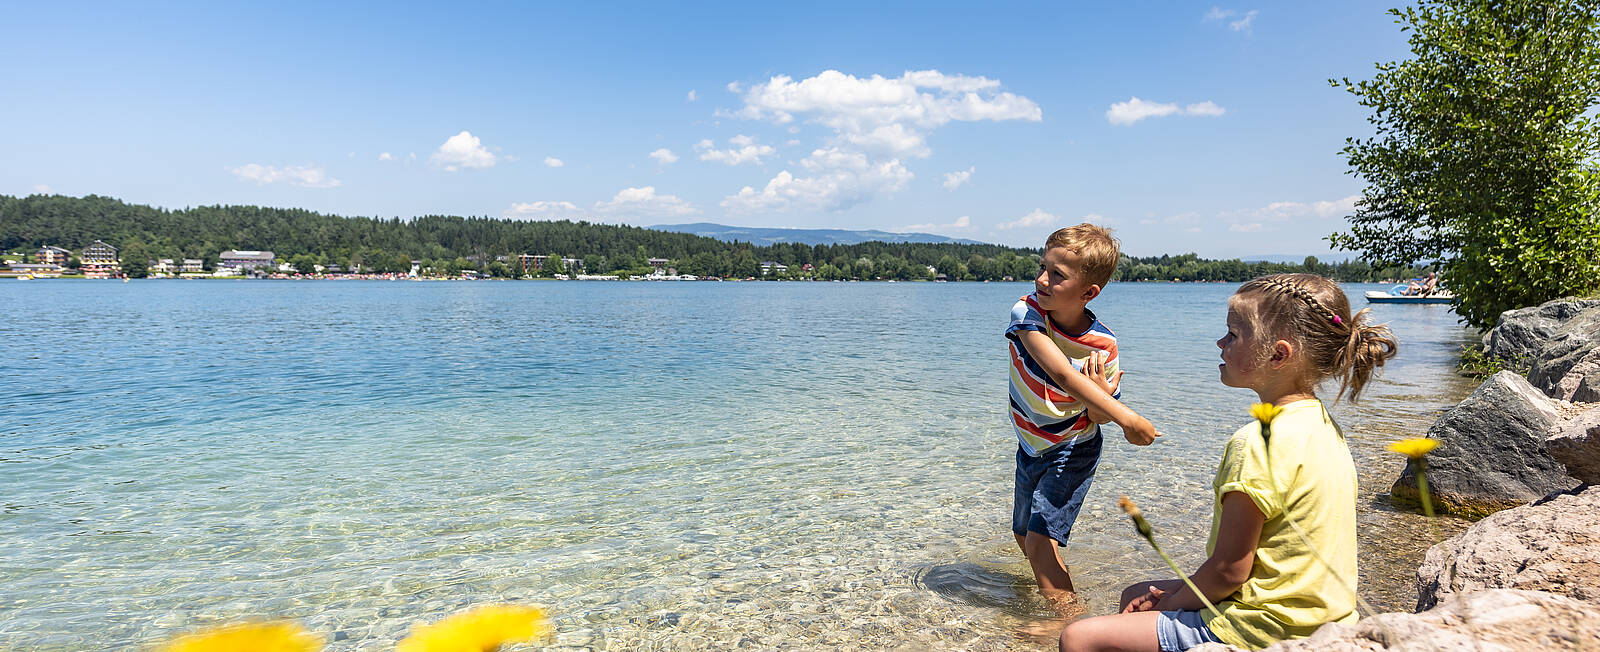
<point x="99" y="260"/>
<point x="192" y="265"/>
<point x="246" y="260"/>
<point x="50" y="255"/>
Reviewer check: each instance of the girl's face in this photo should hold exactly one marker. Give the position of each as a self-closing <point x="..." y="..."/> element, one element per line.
<point x="1242" y="361"/>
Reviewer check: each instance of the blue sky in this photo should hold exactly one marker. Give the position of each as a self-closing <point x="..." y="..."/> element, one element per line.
<point x="1185" y="127"/>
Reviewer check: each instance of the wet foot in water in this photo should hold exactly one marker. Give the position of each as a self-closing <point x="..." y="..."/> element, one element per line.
<point x="1067" y="606"/>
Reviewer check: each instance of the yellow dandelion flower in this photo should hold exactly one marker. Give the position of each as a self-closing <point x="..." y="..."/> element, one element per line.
<point x="248" y="637"/>
<point x="1134" y="513"/>
<point x="481" y="630"/>
<point x="1265" y="412"/>
<point x="1414" y="447"/>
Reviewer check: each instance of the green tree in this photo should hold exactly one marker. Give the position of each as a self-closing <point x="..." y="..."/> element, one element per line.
<point x="1483" y="158"/>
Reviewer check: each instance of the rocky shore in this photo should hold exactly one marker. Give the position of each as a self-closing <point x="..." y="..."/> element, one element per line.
<point x="1524" y="453"/>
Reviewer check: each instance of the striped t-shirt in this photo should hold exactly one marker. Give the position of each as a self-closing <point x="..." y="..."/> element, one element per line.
<point x="1042" y="412"/>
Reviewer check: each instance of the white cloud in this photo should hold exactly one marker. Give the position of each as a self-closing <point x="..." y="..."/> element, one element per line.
<point x="544" y="210"/>
<point x="305" y="176"/>
<point x="644" y="202"/>
<point x="838" y="180"/>
<point x="734" y="87"/>
<point x="1243" y="24"/>
<point x="963" y="222"/>
<point x="1286" y="210"/>
<point x="745" y="151"/>
<point x="1036" y="217"/>
<point x="41" y="189"/>
<point x="664" y="156"/>
<point x="551" y="161"/>
<point x="953" y="180"/>
<point x="691" y="97"/>
<point x="858" y="108"/>
<point x="386" y="157"/>
<point x="876" y="123"/>
<point x="1096" y="218"/>
<point x="1135" y="109"/>
<point x="1250" y="227"/>
<point x="463" y="150"/>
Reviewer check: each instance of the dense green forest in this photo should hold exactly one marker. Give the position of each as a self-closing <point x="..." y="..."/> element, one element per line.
<point x="448" y="245"/>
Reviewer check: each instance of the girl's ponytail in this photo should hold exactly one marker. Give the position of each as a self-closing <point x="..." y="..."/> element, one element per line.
<point x="1366" y="348"/>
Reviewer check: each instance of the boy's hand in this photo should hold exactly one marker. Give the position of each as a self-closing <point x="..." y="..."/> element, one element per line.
<point x="1139" y="431"/>
<point x="1095" y="369"/>
<point x="1145" y="602"/>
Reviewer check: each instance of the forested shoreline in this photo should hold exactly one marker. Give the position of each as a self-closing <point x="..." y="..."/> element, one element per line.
<point x="448" y="245"/>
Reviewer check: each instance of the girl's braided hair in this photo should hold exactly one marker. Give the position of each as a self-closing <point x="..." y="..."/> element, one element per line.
<point x="1313" y="313"/>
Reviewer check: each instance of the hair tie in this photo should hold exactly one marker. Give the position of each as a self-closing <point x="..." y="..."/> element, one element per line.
<point x="1337" y="320"/>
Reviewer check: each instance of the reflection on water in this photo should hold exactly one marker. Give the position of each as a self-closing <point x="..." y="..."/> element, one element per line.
<point x="689" y="466"/>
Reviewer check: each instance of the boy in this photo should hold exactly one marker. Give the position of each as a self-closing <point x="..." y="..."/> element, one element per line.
<point x="1064" y="379"/>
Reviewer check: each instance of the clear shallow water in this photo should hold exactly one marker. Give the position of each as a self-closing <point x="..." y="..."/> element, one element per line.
<point x="702" y="465"/>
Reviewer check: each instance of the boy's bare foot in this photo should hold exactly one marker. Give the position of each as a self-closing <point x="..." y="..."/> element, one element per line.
<point x="1067" y="606"/>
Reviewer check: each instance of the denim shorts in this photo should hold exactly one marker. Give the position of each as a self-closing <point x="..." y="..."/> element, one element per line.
<point x="1050" y="488"/>
<point x="1180" y="630"/>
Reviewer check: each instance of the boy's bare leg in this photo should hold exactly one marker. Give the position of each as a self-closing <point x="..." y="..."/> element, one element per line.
<point x="1055" y="583"/>
<point x="1047" y="567"/>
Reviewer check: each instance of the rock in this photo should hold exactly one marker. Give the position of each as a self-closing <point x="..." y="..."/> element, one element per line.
<point x="1575" y="443"/>
<point x="1491" y="454"/>
<point x="1552" y="545"/>
<point x="1567" y="366"/>
<point x="1519" y="334"/>
<point x="1498" y="620"/>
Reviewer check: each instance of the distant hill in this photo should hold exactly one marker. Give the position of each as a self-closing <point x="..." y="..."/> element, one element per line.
<point x="770" y="236"/>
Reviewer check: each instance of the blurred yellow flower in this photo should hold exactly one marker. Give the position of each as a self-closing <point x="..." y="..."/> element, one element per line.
<point x="481" y="630"/>
<point x="1265" y="412"/>
<point x="1414" y="447"/>
<point x="248" y="637"/>
<point x="1134" y="513"/>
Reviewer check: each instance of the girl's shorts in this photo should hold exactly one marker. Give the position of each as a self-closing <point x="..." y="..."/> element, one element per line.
<point x="1180" y="630"/>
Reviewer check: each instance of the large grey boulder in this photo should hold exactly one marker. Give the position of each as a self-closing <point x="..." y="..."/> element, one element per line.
<point x="1552" y="545"/>
<point x="1519" y="333"/>
<point x="1491" y="454"/>
<point x="1567" y="366"/>
<point x="1575" y="443"/>
<point x="1499" y="620"/>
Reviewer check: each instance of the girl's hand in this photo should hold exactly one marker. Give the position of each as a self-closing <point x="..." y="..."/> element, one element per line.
<point x="1146" y="602"/>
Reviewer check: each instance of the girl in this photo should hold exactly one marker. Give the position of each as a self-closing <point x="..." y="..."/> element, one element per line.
<point x="1286" y="334"/>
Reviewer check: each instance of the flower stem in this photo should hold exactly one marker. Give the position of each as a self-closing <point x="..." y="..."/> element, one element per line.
<point x="1174" y="566"/>
<point x="1422" y="487"/>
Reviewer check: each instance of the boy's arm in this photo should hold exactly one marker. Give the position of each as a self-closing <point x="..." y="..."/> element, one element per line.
<point x="1137" y="429"/>
<point x="1229" y="566"/>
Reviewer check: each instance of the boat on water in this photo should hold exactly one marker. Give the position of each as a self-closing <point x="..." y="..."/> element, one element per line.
<point x="1397" y="294"/>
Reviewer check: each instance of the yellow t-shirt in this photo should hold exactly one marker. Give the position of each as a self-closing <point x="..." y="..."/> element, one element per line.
<point x="1312" y="480"/>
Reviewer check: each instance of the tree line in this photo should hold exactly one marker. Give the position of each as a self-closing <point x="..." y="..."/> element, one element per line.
<point x="448" y="245"/>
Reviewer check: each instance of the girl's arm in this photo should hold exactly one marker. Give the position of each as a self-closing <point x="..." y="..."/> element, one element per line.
<point x="1137" y="429"/>
<point x="1230" y="563"/>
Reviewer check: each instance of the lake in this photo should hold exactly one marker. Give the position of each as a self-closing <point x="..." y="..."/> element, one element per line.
<point x="662" y="465"/>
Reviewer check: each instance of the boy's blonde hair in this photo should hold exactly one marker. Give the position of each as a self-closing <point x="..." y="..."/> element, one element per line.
<point x="1099" y="250"/>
